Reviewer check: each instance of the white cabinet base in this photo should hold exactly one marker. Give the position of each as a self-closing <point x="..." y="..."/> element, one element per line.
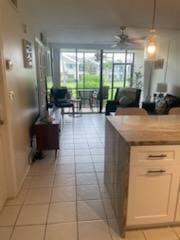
<point x="152" y="196"/>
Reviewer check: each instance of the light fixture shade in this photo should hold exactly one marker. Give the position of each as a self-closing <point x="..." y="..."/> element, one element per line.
<point x="151" y="50"/>
<point x="161" y="87"/>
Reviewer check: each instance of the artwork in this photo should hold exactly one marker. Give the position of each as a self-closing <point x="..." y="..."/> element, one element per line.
<point x="27" y="54"/>
<point x="159" y="64"/>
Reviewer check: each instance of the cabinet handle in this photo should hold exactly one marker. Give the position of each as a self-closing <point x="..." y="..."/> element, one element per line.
<point x="156" y="171"/>
<point x="1" y="122"/>
<point x="157" y="156"/>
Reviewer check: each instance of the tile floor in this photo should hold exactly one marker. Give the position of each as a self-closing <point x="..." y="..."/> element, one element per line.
<point x="66" y="199"/>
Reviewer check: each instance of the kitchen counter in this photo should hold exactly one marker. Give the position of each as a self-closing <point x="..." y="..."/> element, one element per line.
<point x="148" y="130"/>
<point x="142" y="170"/>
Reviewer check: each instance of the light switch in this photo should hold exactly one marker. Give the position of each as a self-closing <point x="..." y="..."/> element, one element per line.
<point x="9" y="64"/>
<point x="11" y="95"/>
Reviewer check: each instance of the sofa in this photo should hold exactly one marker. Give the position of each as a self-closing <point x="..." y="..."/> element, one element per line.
<point x="124" y="97"/>
<point x="164" y="104"/>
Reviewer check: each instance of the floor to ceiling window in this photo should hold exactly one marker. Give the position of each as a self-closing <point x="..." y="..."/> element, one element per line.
<point x="117" y="70"/>
<point x="80" y="73"/>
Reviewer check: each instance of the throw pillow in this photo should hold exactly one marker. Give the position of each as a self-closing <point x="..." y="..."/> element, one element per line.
<point x="161" y="106"/>
<point x="124" y="101"/>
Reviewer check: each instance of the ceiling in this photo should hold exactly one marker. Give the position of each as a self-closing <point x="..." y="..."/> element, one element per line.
<point x="96" y="21"/>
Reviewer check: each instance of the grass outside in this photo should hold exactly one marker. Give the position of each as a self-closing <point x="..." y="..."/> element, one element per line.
<point x="91" y="81"/>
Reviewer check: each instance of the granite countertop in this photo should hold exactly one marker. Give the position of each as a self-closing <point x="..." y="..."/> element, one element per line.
<point x="148" y="130"/>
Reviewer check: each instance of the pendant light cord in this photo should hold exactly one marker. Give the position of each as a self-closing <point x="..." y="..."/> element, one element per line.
<point x="154" y="14"/>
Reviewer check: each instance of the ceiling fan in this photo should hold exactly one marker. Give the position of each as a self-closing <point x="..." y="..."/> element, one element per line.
<point x="122" y="39"/>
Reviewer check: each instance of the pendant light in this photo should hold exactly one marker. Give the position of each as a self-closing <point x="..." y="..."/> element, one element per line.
<point x="151" y="44"/>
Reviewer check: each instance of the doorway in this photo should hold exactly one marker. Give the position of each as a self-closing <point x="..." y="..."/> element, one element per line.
<point x="80" y="73"/>
<point x="92" y="76"/>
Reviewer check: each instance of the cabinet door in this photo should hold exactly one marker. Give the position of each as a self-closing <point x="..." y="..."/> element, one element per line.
<point x="177" y="218"/>
<point x="152" y="195"/>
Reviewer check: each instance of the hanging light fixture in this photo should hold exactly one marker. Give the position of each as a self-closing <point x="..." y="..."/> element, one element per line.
<point x="151" y="44"/>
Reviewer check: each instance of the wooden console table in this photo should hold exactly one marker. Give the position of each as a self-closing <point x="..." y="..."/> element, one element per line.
<point x="47" y="135"/>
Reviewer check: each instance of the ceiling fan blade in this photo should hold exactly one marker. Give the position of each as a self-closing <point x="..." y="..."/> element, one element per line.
<point x="118" y="37"/>
<point x="115" y="45"/>
<point x="137" y="39"/>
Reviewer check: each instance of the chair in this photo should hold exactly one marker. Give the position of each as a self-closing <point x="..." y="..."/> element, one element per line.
<point x="102" y="93"/>
<point x="60" y="99"/>
<point x="86" y="95"/>
<point x="174" y="111"/>
<point x="131" y="111"/>
<point x="124" y="97"/>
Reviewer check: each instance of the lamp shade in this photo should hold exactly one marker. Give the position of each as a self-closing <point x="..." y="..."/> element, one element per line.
<point x="151" y="50"/>
<point x="161" y="87"/>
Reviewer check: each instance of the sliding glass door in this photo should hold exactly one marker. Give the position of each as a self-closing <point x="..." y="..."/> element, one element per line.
<point x="80" y="74"/>
<point x="118" y="68"/>
<point x="92" y="76"/>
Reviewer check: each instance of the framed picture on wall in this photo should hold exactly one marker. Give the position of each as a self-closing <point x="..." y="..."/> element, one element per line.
<point x="27" y="53"/>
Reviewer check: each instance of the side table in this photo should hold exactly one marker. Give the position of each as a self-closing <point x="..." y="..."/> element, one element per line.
<point x="47" y="135"/>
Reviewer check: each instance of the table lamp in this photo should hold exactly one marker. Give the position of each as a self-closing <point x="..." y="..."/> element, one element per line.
<point x="161" y="88"/>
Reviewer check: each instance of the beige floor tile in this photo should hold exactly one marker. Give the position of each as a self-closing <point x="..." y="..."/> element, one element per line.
<point x="33" y="214"/>
<point x="5" y="233"/>
<point x="43" y="168"/>
<point x="100" y="178"/>
<point x="88" y="192"/>
<point x="65" y="168"/>
<point x="26" y="183"/>
<point x="19" y="200"/>
<point x="96" y="230"/>
<point x="66" y="159"/>
<point x="108" y="209"/>
<point x="38" y="195"/>
<point x="64" y="194"/>
<point x="8" y="215"/>
<point x="90" y="210"/>
<point x="97" y="151"/>
<point x="82" y="152"/>
<point x="66" y="152"/>
<point x="93" y="140"/>
<point x="80" y="140"/>
<point x="64" y="180"/>
<point x="98" y="158"/>
<point x="99" y="167"/>
<point x="104" y="192"/>
<point x="95" y="145"/>
<point x="79" y="146"/>
<point x="42" y="181"/>
<point x="62" y="212"/>
<point x="69" y="146"/>
<point x="176" y="230"/>
<point x="84" y="168"/>
<point x="83" y="159"/>
<point x="29" y="233"/>
<point x="130" y="235"/>
<point x="62" y="231"/>
<point x="86" y="179"/>
<point x="160" y="234"/>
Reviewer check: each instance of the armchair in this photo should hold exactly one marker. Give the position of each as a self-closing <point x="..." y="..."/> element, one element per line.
<point x="102" y="93"/>
<point x="124" y="97"/>
<point x="60" y="99"/>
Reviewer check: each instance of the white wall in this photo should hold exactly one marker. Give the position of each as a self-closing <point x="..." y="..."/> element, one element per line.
<point x="23" y="107"/>
<point x="168" y="40"/>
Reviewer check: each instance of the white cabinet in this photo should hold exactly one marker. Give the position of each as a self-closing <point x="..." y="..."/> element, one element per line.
<point x="177" y="217"/>
<point x="153" y="192"/>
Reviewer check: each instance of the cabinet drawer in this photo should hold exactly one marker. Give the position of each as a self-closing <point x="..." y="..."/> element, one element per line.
<point x="148" y="155"/>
